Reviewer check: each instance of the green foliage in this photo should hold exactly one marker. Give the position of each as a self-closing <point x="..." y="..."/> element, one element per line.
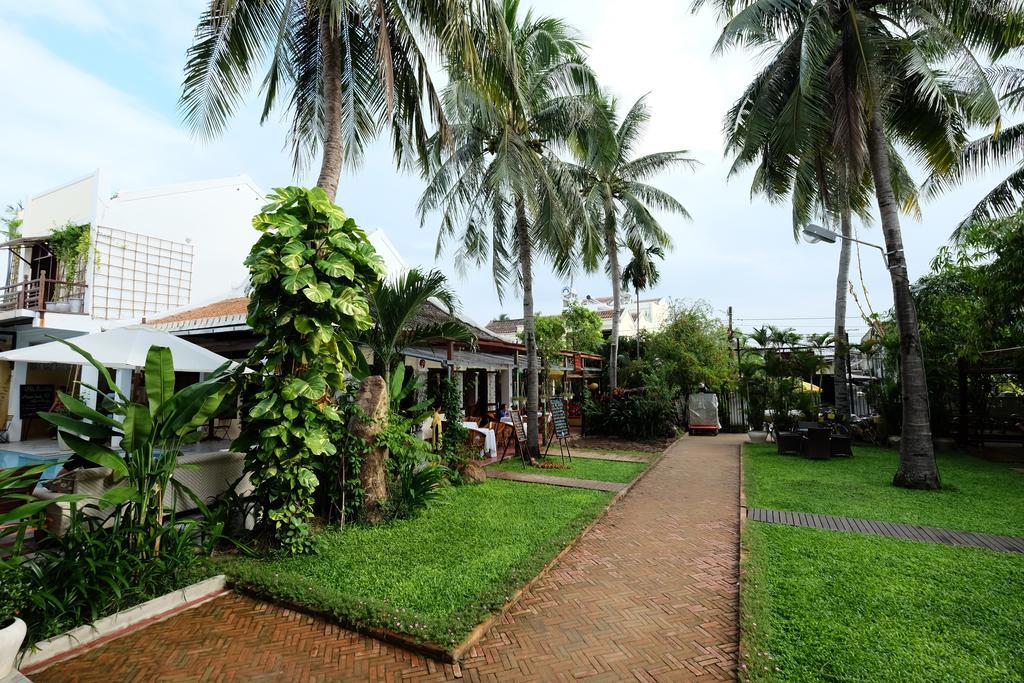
<point x="691" y="350"/>
<point x="414" y="475"/>
<point x="339" y="495"/>
<point x="981" y="495"/>
<point x="151" y="434"/>
<point x="310" y="270"/>
<point x="454" y="451"/>
<point x="582" y="329"/>
<point x="550" y="338"/>
<point x="822" y="605"/>
<point x="12" y="224"/>
<point x="437" y="575"/>
<point x="14" y="592"/>
<point x="70" y="244"/>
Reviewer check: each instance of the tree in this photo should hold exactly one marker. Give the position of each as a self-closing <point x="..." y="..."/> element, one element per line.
<point x="550" y="344"/>
<point x="692" y="349"/>
<point x="582" y="328"/>
<point x="618" y="196"/>
<point x="310" y="270"/>
<point x="344" y="71"/>
<point x="640" y="273"/>
<point x="400" y="309"/>
<point x="881" y="62"/>
<point x="502" y="193"/>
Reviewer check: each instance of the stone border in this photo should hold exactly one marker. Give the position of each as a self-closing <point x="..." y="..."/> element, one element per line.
<point x="78" y="640"/>
<point x="455" y="654"/>
<point x="741" y="653"/>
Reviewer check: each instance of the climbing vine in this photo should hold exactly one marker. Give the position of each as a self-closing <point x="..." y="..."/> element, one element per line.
<point x="309" y="270"/>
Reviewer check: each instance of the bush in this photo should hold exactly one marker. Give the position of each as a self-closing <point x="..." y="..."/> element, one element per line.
<point x="14" y="592"/>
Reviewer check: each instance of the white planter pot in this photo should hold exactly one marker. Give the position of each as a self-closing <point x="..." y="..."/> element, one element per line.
<point x="11" y="639"/>
<point x="58" y="307"/>
<point x="75" y="305"/>
<point x="757" y="436"/>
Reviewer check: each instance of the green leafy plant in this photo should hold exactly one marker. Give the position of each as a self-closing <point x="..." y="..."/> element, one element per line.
<point x="151" y="436"/>
<point x="14" y="592"/>
<point x="70" y="244"/>
<point x="310" y="270"/>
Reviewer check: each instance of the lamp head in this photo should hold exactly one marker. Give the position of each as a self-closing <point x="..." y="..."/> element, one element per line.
<point x="815" y="233"/>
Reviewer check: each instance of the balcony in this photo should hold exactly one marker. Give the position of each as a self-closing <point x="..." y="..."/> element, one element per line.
<point x="44" y="295"/>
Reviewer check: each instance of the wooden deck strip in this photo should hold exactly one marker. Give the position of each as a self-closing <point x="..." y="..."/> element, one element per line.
<point x="908" y="532"/>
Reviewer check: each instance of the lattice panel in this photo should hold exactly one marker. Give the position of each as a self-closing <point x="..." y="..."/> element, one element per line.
<point x="137" y="275"/>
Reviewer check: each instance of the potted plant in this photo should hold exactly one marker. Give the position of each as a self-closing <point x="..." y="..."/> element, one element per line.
<point x="13" y="594"/>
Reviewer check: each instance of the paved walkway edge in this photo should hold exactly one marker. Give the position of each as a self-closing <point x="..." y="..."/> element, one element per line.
<point x="906" y="532"/>
<point x="77" y="640"/>
<point x="551" y="480"/>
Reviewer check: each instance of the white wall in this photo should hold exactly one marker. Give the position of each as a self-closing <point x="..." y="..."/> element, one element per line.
<point x="215" y="217"/>
<point x="74" y="202"/>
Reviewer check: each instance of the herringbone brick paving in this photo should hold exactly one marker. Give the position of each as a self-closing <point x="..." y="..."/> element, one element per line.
<point x="649" y="594"/>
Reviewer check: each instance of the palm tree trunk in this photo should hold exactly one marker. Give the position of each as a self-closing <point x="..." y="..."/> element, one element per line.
<point x="529" y="326"/>
<point x="637" y="322"/>
<point x="917" y="467"/>
<point x="334" y="147"/>
<point x="613" y="267"/>
<point x="842" y="352"/>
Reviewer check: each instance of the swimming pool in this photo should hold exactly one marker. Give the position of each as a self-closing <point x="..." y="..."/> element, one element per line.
<point x="16" y="459"/>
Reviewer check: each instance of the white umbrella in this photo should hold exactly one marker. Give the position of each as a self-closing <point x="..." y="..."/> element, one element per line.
<point x="122" y="348"/>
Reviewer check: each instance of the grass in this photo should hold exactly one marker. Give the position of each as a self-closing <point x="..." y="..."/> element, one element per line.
<point x="582" y="468"/>
<point x="821" y="605"/>
<point x="976" y="495"/>
<point x="438" y="575"/>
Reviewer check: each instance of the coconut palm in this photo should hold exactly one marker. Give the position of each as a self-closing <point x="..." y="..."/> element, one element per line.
<point x="618" y="195"/>
<point x="343" y="70"/>
<point x="878" y="62"/>
<point x="993" y="150"/>
<point x="640" y="273"/>
<point x="409" y="310"/>
<point x="502" y="193"/>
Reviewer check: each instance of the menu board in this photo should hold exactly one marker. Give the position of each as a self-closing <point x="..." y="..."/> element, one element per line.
<point x="558" y="417"/>
<point x="35" y="399"/>
<point x="517" y="425"/>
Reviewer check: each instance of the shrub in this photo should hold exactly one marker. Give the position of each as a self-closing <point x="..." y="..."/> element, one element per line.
<point x="14" y="592"/>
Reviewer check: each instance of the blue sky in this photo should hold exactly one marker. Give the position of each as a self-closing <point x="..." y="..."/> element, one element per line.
<point x="94" y="84"/>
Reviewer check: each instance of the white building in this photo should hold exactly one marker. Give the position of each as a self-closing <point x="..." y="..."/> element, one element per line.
<point x="651" y="316"/>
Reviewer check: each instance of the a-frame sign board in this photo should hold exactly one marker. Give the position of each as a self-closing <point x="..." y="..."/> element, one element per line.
<point x="560" y="428"/>
<point x="519" y="433"/>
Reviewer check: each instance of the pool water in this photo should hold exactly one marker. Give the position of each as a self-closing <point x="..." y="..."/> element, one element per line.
<point x="16" y="459"/>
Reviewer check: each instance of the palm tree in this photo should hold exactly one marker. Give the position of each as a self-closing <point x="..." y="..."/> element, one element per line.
<point x="500" y="189"/>
<point x="641" y="272"/>
<point x="402" y="314"/>
<point x="343" y="69"/>
<point x="878" y="63"/>
<point x="618" y="196"/>
<point x="1006" y="146"/>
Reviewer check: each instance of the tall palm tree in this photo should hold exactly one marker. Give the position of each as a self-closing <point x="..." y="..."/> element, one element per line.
<point x="402" y="317"/>
<point x="879" y="62"/>
<point x="502" y="193"/>
<point x="1004" y="147"/>
<point x="640" y="273"/>
<point x="618" y="196"/>
<point x="343" y="69"/>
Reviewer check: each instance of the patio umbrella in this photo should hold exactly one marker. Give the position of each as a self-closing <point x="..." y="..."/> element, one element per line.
<point x="121" y="348"/>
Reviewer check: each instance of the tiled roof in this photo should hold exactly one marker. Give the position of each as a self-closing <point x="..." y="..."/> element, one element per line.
<point x="607" y="315"/>
<point x="237" y="306"/>
<point x="505" y="326"/>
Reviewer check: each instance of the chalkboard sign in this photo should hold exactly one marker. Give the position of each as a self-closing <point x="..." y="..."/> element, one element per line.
<point x="559" y="418"/>
<point x="517" y="425"/>
<point x="35" y="399"/>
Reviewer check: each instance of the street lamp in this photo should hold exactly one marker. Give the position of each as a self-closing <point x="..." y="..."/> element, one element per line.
<point x="816" y="233"/>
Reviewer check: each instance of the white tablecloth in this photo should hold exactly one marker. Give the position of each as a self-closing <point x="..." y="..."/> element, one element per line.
<point x="490" y="440"/>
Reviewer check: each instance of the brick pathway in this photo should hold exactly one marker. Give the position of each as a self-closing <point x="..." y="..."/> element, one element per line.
<point x="650" y="594"/>
<point x="615" y="457"/>
<point x="909" y="532"/>
<point x="571" y="482"/>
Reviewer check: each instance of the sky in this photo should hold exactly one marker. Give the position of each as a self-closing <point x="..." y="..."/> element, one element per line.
<point x="93" y="84"/>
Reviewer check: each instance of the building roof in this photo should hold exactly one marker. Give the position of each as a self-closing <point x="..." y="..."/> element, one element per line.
<point x="505" y="326"/>
<point x="608" y="300"/>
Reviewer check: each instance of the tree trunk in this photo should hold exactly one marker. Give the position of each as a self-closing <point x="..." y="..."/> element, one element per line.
<point x="637" y="322"/>
<point x="529" y="327"/>
<point x="613" y="270"/>
<point x="917" y="467"/>
<point x="842" y="353"/>
<point x="373" y="402"/>
<point x="333" y="144"/>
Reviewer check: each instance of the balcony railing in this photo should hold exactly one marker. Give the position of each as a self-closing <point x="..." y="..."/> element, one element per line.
<point x="44" y="294"/>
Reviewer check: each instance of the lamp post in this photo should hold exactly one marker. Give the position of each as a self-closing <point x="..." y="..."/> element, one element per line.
<point x="816" y="233"/>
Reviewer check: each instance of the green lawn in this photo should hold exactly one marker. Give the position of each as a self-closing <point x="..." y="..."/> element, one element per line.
<point x="438" y="575"/>
<point x="582" y="468"/>
<point x="976" y="495"/>
<point x="828" y="606"/>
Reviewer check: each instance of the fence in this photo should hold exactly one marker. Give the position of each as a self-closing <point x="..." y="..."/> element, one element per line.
<point x="733" y="404"/>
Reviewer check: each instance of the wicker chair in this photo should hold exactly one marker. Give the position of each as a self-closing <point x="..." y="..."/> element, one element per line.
<point x="816" y="444"/>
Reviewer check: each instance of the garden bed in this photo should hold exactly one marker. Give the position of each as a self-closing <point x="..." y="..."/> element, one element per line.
<point x="580" y="468"/>
<point x="434" y="578"/>
<point x="976" y="496"/>
<point x="822" y="605"/>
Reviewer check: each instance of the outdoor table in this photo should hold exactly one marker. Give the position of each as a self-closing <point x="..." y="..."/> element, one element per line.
<point x="490" y="441"/>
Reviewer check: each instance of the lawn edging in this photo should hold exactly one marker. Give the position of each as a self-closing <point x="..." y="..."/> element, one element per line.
<point x="740" y="579"/>
<point x="441" y="653"/>
<point x="72" y="643"/>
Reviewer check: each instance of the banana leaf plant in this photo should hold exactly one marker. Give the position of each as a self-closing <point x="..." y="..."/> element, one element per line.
<point x="151" y="433"/>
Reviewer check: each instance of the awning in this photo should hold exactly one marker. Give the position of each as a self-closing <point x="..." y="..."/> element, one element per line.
<point x="464" y="359"/>
<point x="21" y="241"/>
<point x="121" y="348"/>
